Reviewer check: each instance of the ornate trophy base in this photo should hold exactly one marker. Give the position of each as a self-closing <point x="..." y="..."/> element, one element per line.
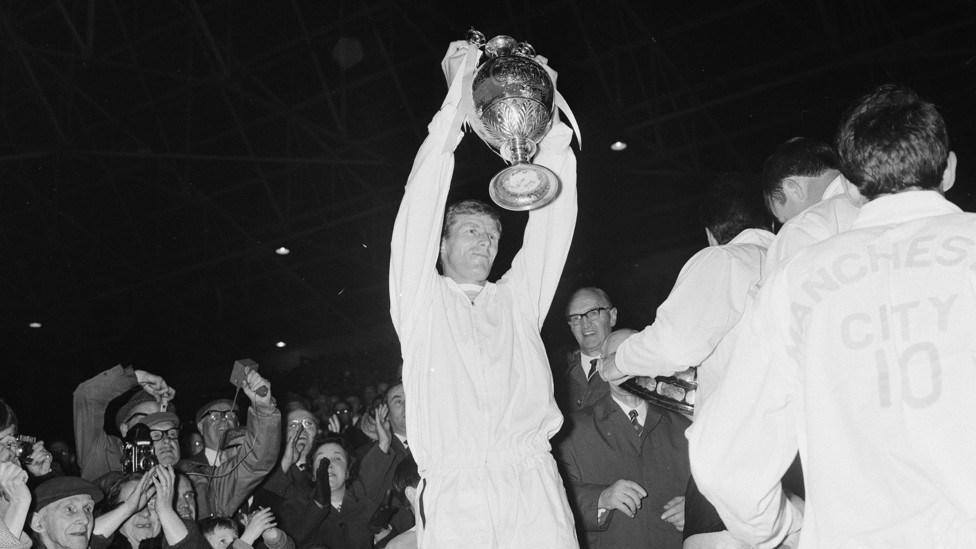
<point x="676" y="393"/>
<point x="524" y="187"/>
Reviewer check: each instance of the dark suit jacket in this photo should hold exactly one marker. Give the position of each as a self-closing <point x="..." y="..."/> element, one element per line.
<point x="573" y="392"/>
<point x="377" y="469"/>
<point x="601" y="448"/>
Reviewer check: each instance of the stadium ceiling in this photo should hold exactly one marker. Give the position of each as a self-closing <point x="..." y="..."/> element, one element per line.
<point x="154" y="155"/>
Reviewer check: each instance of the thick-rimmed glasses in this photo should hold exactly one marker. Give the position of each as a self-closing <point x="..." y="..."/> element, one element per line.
<point x="217" y="415"/>
<point x="592" y="315"/>
<point x="160" y="434"/>
<point x="304" y="423"/>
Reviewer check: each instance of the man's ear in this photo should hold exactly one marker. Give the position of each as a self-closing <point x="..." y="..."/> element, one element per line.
<point x="794" y="189"/>
<point x="35" y="523"/>
<point x="949" y="175"/>
<point x="200" y="430"/>
<point x="123" y="429"/>
<point x="712" y="241"/>
<point x="613" y="316"/>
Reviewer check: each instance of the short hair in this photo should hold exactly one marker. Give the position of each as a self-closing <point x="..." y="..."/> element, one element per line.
<point x="209" y="525"/>
<point x="471" y="206"/>
<point x="405" y="476"/>
<point x="321" y="440"/>
<point x="603" y="295"/>
<point x="114" y="494"/>
<point x="892" y="140"/>
<point x="732" y="204"/>
<point x="394" y="383"/>
<point x="8" y="418"/>
<point x="796" y="157"/>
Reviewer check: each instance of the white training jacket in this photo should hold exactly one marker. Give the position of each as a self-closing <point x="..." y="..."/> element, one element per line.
<point x="861" y="353"/>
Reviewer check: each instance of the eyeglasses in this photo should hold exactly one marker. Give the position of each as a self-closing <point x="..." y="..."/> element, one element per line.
<point x="592" y="315"/>
<point x="343" y="411"/>
<point x="160" y="434"/>
<point x="304" y="423"/>
<point x="217" y="415"/>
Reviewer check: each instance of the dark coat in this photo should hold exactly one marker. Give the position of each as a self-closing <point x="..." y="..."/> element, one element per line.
<point x="573" y="391"/>
<point x="377" y="469"/>
<point x="601" y="448"/>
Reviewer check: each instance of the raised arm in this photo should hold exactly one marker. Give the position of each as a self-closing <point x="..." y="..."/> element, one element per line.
<point x="537" y="267"/>
<point x="417" y="230"/>
<point x="98" y="453"/>
<point x="706" y="302"/>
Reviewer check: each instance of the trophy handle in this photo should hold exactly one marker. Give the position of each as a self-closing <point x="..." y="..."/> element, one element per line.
<point x="525" y="50"/>
<point x="476" y="38"/>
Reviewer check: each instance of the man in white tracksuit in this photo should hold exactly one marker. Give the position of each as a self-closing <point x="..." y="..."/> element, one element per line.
<point x="861" y="354"/>
<point x="475" y="370"/>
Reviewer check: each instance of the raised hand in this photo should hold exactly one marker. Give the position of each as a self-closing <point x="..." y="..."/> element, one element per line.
<point x="291" y="453"/>
<point x="13" y="488"/>
<point x="155" y="386"/>
<point x="253" y="383"/>
<point x="454" y="59"/>
<point x="333" y="426"/>
<point x="257" y="523"/>
<point x="383" y="429"/>
<point x="624" y="496"/>
<point x="40" y="460"/>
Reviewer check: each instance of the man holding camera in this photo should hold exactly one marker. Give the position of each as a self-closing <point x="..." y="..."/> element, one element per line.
<point x="99" y="452"/>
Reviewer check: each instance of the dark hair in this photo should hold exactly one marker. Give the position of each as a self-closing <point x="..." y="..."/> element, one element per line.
<point x="796" y="157"/>
<point x="470" y="206"/>
<point x="113" y="496"/>
<point x="405" y="476"/>
<point x="732" y="204"/>
<point x="210" y="524"/>
<point x="892" y="140"/>
<point x="7" y="416"/>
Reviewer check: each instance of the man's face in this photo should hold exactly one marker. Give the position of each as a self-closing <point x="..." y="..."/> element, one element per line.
<point x="215" y="423"/>
<point x="590" y="334"/>
<point x="186" y="498"/>
<point x="167" y="449"/>
<point x="144" y="524"/>
<point x="66" y="523"/>
<point x="140" y="411"/>
<point x="470" y="247"/>
<point x="304" y="423"/>
<point x="194" y="444"/>
<point x="344" y="412"/>
<point x="397" y="402"/>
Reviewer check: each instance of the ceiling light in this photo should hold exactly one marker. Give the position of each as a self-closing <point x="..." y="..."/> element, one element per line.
<point x="35" y="324"/>
<point x="280" y="344"/>
<point x="618" y="146"/>
<point x="282" y="251"/>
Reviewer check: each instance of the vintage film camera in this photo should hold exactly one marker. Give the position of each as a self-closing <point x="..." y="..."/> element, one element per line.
<point x="138" y="454"/>
<point x="25" y="447"/>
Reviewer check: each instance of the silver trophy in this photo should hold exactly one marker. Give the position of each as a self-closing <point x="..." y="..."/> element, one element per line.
<point x="676" y="393"/>
<point x="514" y="106"/>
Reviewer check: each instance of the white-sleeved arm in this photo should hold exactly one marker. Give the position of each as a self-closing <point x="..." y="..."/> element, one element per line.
<point x="706" y="301"/>
<point x="417" y="230"/>
<point x="744" y="437"/>
<point x="538" y="265"/>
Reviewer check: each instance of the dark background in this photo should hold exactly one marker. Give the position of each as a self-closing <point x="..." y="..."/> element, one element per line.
<point x="154" y="154"/>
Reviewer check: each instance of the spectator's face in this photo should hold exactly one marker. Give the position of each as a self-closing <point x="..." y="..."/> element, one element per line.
<point x="167" y="449"/>
<point x="61" y="452"/>
<point x="398" y="409"/>
<point x="344" y="412"/>
<point x="590" y="334"/>
<point x="8" y="445"/>
<point x="222" y="537"/>
<point x="469" y="248"/>
<point x="186" y="498"/>
<point x="338" y="464"/>
<point x="144" y="524"/>
<point x="304" y="423"/>
<point x="66" y="523"/>
<point x="193" y="444"/>
<point x="140" y="411"/>
<point x="216" y="423"/>
<point x="369" y="393"/>
<point x="382" y="388"/>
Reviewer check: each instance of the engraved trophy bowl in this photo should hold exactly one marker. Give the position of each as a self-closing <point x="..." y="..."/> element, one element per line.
<point x="676" y="393"/>
<point x="514" y="104"/>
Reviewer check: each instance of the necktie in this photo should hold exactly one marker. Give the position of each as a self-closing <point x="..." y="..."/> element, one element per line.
<point x="589" y="375"/>
<point x="633" y="421"/>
